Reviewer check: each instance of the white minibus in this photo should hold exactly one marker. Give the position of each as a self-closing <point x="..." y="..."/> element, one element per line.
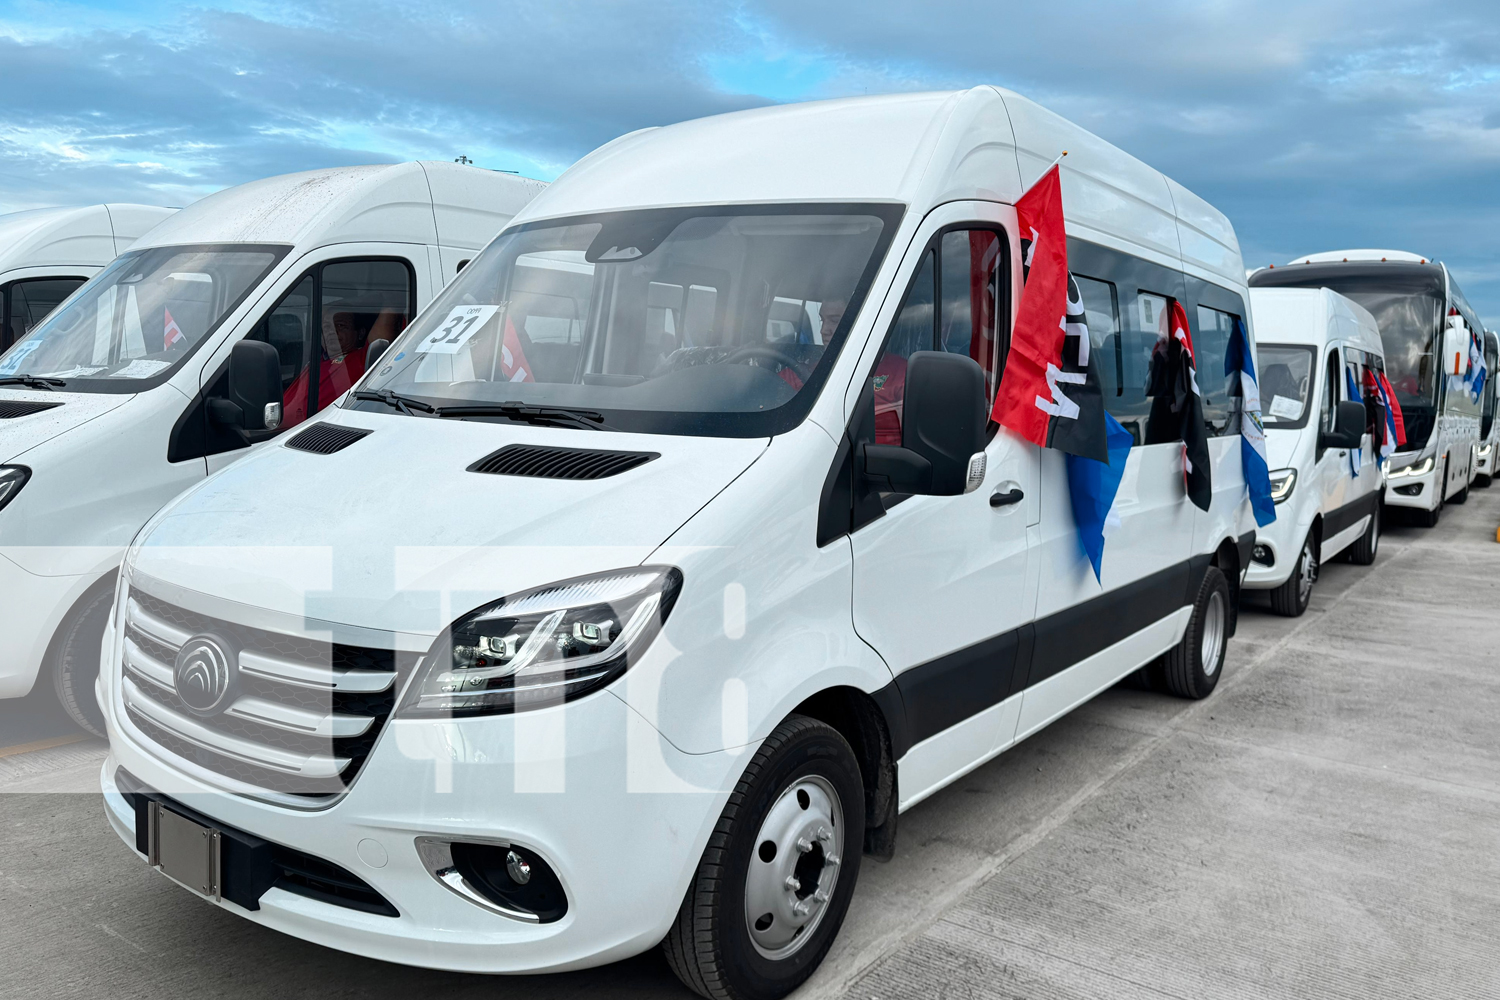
<point x="120" y="399"/>
<point x="1423" y="316"/>
<point x="1487" y="457"/>
<point x="656" y="569"/>
<point x="46" y="253"/>
<point x="1316" y="348"/>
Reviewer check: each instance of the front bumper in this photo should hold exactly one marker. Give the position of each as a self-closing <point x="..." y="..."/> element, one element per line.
<point x="1486" y="458"/>
<point x="1419" y="492"/>
<point x="620" y="815"/>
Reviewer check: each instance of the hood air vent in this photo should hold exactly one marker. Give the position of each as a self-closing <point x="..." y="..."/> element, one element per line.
<point x="10" y="408"/>
<point x="323" y="438"/>
<point x="560" y="463"/>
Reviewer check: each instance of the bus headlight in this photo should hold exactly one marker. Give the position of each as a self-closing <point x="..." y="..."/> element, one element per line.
<point x="1283" y="481"/>
<point x="545" y="646"/>
<point x="1415" y="469"/>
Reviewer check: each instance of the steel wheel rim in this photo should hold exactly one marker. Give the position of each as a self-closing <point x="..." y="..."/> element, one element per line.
<point x="794" y="884"/>
<point x="1213" y="633"/>
<point x="1309" y="572"/>
<point x="1375" y="531"/>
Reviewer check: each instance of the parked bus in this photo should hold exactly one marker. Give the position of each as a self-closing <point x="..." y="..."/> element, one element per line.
<point x="46" y="253"/>
<point x="1420" y="308"/>
<point x="1488" y="455"/>
<point x="120" y="399"/>
<point x="669" y="556"/>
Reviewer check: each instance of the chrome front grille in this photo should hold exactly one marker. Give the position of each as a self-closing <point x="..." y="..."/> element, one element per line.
<point x="302" y="715"/>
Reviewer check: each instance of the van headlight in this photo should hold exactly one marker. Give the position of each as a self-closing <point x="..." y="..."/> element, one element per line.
<point x="1415" y="469"/>
<point x="12" y="478"/>
<point x="1283" y="481"/>
<point x="545" y="646"/>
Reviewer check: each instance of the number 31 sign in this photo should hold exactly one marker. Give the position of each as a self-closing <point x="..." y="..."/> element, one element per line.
<point x="454" y="331"/>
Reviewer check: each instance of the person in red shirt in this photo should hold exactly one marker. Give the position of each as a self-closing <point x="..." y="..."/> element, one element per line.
<point x="346" y="335"/>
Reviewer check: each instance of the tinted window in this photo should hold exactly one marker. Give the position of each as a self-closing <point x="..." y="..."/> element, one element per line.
<point x="1101" y="305"/>
<point x="1210" y="347"/>
<point x="27" y="303"/>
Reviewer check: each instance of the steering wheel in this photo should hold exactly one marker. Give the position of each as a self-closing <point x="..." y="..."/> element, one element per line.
<point x="801" y="369"/>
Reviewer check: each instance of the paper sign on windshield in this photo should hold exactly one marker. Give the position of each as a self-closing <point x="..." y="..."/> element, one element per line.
<point x="13" y="363"/>
<point x="141" y="368"/>
<point x="452" y="333"/>
<point x="1285" y="407"/>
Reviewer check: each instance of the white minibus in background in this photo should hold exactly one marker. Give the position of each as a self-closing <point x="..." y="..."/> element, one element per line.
<point x="668" y="556"/>
<point x="1321" y="440"/>
<point x="46" y="253"/>
<point x="120" y="399"/>
<point x="1487" y="463"/>
<point x="1420" y="309"/>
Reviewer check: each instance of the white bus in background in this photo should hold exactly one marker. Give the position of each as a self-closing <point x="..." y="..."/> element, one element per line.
<point x="1487" y="464"/>
<point x="670" y="556"/>
<point x="1422" y="315"/>
<point x="46" y="253"/>
<point x="120" y="399"/>
<point x="1321" y="443"/>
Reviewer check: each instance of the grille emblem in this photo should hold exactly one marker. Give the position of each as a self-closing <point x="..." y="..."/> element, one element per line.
<point x="205" y="675"/>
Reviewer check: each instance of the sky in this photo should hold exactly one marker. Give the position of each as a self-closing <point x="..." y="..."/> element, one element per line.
<point x="1313" y="125"/>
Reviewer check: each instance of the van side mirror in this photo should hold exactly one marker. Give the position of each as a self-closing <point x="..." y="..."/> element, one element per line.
<point x="373" y="350"/>
<point x="1348" y="427"/>
<point x="253" y="406"/>
<point x="942" y="434"/>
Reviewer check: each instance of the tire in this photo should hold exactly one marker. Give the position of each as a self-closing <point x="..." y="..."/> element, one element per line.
<point x="75" y="660"/>
<point x="1482" y="480"/>
<point x="1192" y="667"/>
<point x="803" y="782"/>
<point x="1290" y="599"/>
<point x="1430" y="518"/>
<point x="1362" y="552"/>
<point x="1460" y="497"/>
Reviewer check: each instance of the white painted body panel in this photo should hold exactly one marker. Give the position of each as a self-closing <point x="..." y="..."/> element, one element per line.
<point x="765" y="619"/>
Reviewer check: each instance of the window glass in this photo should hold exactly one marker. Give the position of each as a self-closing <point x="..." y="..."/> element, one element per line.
<point x="971" y="282"/>
<point x="1491" y="360"/>
<point x="691" y="319"/>
<point x="288" y="328"/>
<point x="140" y="318"/>
<point x="1285" y="384"/>
<point x="1210" y="347"/>
<point x="912" y="332"/>
<point x="27" y="303"/>
<point x="1101" y="307"/>
<point x="361" y="301"/>
<point x="1143" y="336"/>
<point x="1332" y="392"/>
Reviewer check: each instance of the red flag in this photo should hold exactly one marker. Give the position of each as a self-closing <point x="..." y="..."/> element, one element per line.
<point x="1395" y="408"/>
<point x="513" y="363"/>
<point x="1037" y="343"/>
<point x="171" y="333"/>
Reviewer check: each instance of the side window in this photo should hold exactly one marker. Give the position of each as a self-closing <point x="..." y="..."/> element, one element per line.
<point x="1101" y="307"/>
<point x="27" y="303"/>
<point x="359" y="301"/>
<point x="1332" y="393"/>
<point x="954" y="304"/>
<point x="288" y="328"/>
<point x="1144" y="365"/>
<point x="1210" y="347"/>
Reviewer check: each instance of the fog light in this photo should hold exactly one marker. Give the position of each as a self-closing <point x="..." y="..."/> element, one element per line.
<point x="1413" y="490"/>
<point x="1263" y="555"/>
<point x="508" y="879"/>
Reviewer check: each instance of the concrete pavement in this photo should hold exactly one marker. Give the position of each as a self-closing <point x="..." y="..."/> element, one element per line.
<point x="1326" y="824"/>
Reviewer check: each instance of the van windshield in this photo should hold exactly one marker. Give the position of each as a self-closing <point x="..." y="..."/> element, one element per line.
<point x="1285" y="384"/>
<point x="139" y="319"/>
<point x="716" y="321"/>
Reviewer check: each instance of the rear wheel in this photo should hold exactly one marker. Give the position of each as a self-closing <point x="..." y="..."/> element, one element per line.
<point x="75" y="662"/>
<point x="1290" y="599"/>
<point x="774" y="883"/>
<point x="1191" y="669"/>
<point x="1482" y="480"/>
<point x="1362" y="552"/>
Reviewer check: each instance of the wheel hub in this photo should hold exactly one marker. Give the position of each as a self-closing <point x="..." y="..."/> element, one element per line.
<point x="794" y="867"/>
<point x="1213" y="634"/>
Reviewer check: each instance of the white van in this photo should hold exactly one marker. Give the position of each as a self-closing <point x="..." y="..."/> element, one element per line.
<point x="1423" y="317"/>
<point x="583" y="625"/>
<point x="119" y="401"/>
<point x="1487" y="457"/>
<point x="1321" y="442"/>
<point x="46" y="253"/>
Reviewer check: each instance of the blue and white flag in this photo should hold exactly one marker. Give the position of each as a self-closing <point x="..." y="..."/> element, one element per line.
<point x="1237" y="361"/>
<point x="1478" y="371"/>
<point x="1356" y="455"/>
<point x="1092" y="486"/>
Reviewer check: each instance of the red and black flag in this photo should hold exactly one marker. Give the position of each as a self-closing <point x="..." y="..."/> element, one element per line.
<point x="1177" y="405"/>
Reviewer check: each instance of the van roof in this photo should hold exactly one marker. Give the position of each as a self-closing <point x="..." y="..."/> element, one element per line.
<point x="429" y="202"/>
<point x="86" y="236"/>
<point x="921" y="150"/>
<point x="1313" y="316"/>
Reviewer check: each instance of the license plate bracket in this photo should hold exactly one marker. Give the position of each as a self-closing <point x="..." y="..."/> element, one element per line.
<point x="185" y="851"/>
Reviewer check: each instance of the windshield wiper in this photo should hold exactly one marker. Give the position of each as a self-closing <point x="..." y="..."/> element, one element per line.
<point x="528" y="413"/>
<point x="33" y="382"/>
<point x="394" y="399"/>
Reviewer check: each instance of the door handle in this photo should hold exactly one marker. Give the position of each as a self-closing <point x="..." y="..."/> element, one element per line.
<point x="998" y="499"/>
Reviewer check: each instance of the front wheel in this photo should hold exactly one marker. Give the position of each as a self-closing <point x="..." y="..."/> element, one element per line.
<point x="75" y="661"/>
<point x="1290" y="599"/>
<point x="1192" y="667"/>
<point x="1362" y="552"/>
<point x="773" y="886"/>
